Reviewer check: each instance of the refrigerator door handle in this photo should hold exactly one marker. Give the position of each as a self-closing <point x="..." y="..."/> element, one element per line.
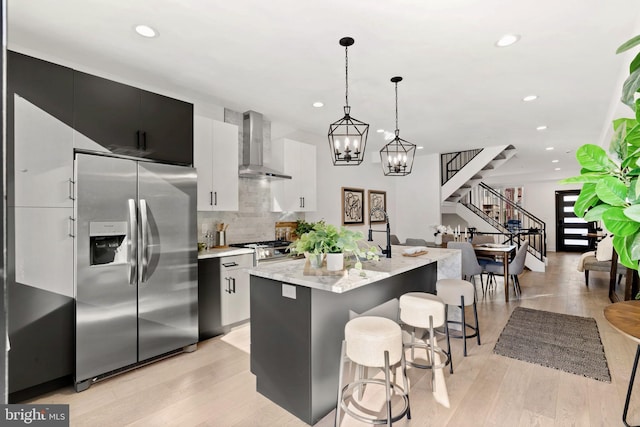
<point x="144" y="250"/>
<point x="133" y="242"/>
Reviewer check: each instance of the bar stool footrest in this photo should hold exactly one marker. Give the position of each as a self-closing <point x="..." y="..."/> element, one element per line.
<point x="458" y="335"/>
<point x="364" y="419"/>
<point x="440" y="351"/>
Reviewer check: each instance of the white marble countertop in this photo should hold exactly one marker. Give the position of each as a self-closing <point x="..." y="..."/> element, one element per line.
<point x="221" y="252"/>
<point x="292" y="271"/>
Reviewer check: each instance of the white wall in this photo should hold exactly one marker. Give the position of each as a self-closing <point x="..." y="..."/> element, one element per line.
<point x="418" y="199"/>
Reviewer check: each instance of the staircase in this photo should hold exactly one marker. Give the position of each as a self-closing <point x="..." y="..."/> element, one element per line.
<point x="464" y="194"/>
<point x="458" y="178"/>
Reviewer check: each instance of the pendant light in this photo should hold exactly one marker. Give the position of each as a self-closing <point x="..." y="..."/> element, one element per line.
<point x="397" y="156"/>
<point x="347" y="136"/>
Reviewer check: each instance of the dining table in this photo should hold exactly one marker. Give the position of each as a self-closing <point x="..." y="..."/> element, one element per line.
<point x="498" y="250"/>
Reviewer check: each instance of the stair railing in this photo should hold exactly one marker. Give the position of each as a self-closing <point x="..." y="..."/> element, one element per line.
<point x="452" y="163"/>
<point x="508" y="218"/>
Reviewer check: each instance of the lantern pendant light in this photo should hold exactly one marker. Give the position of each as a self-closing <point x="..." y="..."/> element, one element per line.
<point x="347" y="136"/>
<point x="397" y="156"/>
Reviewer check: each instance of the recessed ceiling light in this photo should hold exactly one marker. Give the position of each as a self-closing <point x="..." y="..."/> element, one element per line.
<point x="146" y="31"/>
<point x="318" y="104"/>
<point x="529" y="98"/>
<point x="543" y="127"/>
<point x="507" y="40"/>
<point x="380" y="130"/>
<point x="555" y="161"/>
<point x="419" y="147"/>
<point x="557" y="169"/>
<point x="549" y="148"/>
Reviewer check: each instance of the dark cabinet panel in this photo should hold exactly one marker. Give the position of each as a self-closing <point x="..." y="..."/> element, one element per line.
<point x="46" y="85"/>
<point x="107" y="112"/>
<point x="168" y="128"/>
<point x="131" y="121"/>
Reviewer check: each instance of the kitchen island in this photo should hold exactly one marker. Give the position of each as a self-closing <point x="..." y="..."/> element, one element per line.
<point x="297" y="321"/>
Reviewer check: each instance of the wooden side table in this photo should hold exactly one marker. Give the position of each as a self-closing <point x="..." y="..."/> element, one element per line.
<point x="624" y="316"/>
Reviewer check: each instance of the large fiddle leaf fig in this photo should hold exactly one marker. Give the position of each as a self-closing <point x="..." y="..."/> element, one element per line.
<point x="611" y="190"/>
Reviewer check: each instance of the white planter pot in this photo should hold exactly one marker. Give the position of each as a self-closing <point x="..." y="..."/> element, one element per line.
<point x="438" y="239"/>
<point x="335" y="262"/>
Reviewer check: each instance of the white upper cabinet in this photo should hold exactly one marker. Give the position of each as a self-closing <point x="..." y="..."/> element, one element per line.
<point x="43" y="158"/>
<point x="215" y="156"/>
<point x="298" y="160"/>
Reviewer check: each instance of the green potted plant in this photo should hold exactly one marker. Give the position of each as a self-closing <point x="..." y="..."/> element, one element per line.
<point x="303" y="226"/>
<point x="327" y="239"/>
<point x="610" y="190"/>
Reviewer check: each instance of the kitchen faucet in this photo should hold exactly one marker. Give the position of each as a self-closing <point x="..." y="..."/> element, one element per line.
<point x="386" y="251"/>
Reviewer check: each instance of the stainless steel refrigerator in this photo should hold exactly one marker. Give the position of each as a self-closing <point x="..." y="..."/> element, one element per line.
<point x="136" y="263"/>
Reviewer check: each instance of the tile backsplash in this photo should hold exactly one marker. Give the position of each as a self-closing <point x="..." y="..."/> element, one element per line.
<point x="253" y="221"/>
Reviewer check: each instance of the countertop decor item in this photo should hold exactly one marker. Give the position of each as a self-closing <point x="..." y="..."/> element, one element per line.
<point x="397" y="156"/>
<point x="327" y="238"/>
<point x="610" y="192"/>
<point x="347" y="136"/>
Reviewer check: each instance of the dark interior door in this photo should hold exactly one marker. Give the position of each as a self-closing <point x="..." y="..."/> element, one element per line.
<point x="571" y="231"/>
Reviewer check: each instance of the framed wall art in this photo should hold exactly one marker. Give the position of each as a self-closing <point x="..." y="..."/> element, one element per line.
<point x="352" y="206"/>
<point x="377" y="206"/>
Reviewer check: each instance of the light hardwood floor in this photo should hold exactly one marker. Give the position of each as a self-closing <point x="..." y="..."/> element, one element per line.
<point x="213" y="386"/>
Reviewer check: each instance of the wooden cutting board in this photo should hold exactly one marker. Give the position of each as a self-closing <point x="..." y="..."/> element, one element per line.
<point x="416" y="254"/>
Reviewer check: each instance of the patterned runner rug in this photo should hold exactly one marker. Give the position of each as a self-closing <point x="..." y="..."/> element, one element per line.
<point x="560" y="341"/>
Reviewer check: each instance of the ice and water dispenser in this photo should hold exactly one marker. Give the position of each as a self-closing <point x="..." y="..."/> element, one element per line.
<point x="108" y="244"/>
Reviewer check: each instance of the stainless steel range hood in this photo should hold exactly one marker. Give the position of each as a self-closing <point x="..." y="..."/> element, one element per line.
<point x="252" y="145"/>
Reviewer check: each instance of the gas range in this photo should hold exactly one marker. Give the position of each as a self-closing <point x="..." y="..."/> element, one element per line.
<point x="267" y="250"/>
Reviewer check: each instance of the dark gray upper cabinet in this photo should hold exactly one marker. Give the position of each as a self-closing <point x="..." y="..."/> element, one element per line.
<point x="131" y="121"/>
<point x="46" y="85"/>
<point x="168" y="128"/>
<point x="107" y="112"/>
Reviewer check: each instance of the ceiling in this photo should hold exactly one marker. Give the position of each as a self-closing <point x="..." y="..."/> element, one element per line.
<point x="278" y="57"/>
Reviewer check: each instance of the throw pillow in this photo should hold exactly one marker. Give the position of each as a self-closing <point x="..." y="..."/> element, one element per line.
<point x="604" y="251"/>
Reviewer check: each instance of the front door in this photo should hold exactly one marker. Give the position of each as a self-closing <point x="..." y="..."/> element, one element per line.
<point x="571" y="231"/>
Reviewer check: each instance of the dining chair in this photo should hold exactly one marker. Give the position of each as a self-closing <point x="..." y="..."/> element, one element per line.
<point x="470" y="265"/>
<point x="479" y="239"/>
<point x="516" y="267"/>
<point x="415" y="242"/>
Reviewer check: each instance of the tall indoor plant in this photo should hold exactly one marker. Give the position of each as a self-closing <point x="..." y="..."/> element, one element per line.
<point x="610" y="190"/>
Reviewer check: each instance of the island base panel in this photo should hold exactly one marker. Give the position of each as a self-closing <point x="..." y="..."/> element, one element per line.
<point x="295" y="343"/>
<point x="280" y="341"/>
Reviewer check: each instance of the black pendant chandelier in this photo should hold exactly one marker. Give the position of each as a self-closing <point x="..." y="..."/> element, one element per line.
<point x="347" y="136"/>
<point x="397" y="156"/>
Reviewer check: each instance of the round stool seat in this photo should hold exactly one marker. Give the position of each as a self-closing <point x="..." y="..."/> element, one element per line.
<point x="416" y="307"/>
<point x="368" y="337"/>
<point x="450" y="291"/>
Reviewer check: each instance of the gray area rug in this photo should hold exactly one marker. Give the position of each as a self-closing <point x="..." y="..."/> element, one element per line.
<point x="560" y="341"/>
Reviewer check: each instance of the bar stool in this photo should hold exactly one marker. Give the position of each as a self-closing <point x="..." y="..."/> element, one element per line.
<point x="460" y="293"/>
<point x="374" y="342"/>
<point x="426" y="311"/>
